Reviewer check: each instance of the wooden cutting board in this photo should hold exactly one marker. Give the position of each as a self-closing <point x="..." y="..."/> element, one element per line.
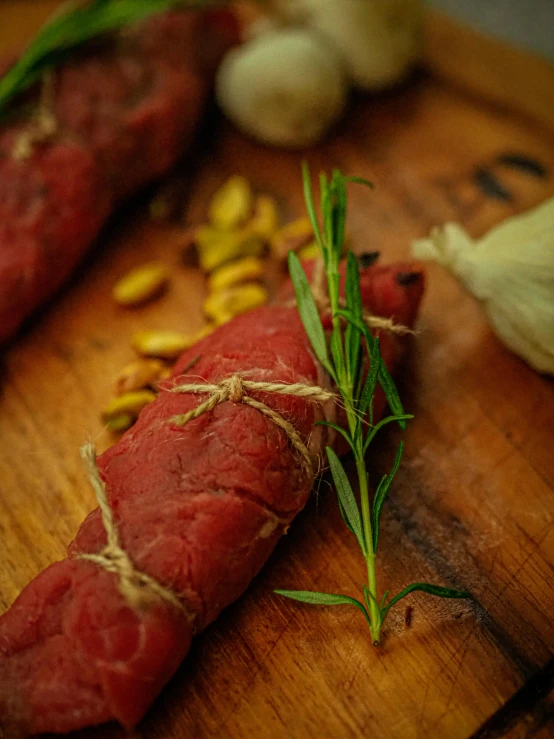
<point x="473" y="504"/>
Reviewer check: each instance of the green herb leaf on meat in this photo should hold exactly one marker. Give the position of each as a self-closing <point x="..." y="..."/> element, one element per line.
<point x="70" y="28"/>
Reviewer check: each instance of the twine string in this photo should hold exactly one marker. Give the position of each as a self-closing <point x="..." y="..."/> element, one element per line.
<point x="43" y="125"/>
<point x="137" y="587"/>
<point x="235" y="389"/>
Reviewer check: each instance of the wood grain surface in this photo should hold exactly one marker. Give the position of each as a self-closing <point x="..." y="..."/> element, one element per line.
<point x="473" y="504"/>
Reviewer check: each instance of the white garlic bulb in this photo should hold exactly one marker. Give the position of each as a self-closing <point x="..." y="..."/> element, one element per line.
<point x="511" y="270"/>
<point x="284" y="87"/>
<point x="378" y="39"/>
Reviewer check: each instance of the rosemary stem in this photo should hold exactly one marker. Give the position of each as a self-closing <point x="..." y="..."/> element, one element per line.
<point x="370" y="557"/>
<point x="374" y="610"/>
<point x="342" y="355"/>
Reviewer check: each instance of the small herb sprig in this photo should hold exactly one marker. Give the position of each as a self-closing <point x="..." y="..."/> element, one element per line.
<point x="73" y="26"/>
<point x="345" y="359"/>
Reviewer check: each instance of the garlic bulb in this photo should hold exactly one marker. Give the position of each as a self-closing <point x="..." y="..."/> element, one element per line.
<point x="284" y="87"/>
<point x="378" y="39"/>
<point x="511" y="270"/>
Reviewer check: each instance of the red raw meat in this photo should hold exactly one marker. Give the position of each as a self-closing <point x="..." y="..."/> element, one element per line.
<point x="199" y="508"/>
<point x="125" y="109"/>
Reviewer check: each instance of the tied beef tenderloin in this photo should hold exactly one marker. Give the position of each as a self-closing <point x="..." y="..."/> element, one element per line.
<point x="124" y="110"/>
<point x="198" y="507"/>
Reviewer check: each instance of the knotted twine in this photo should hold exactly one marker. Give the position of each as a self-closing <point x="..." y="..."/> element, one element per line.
<point x="135" y="586"/>
<point x="234" y="389"/>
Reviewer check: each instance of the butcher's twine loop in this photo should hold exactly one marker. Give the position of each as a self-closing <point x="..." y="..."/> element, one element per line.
<point x="136" y="587"/>
<point x="236" y="389"/>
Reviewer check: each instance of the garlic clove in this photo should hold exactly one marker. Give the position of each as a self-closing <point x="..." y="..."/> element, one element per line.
<point x="378" y="39"/>
<point x="511" y="270"/>
<point x="285" y="88"/>
<point x="535" y="348"/>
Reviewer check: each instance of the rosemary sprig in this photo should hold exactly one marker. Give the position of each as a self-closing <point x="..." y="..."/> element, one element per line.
<point x="70" y="28"/>
<point x="344" y="357"/>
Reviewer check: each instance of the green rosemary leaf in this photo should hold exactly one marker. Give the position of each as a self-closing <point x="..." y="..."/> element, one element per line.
<point x="372" y="345"/>
<point x="368" y="595"/>
<point x="353" y="293"/>
<point x="68" y="30"/>
<point x="384" y="422"/>
<point x="308" y="312"/>
<point x="323" y="599"/>
<point x="347" y="497"/>
<point x="393" y="398"/>
<point x="354" y="305"/>
<point x="368" y="389"/>
<point x="360" y="325"/>
<point x="339" y="429"/>
<point x="381" y="494"/>
<point x="383" y="599"/>
<point x="327" y="213"/>
<point x="360" y="181"/>
<point x="310" y="207"/>
<point x="386" y="381"/>
<point x="345" y="517"/>
<point x="352" y="350"/>
<point x="425" y="587"/>
<point x="340" y="200"/>
<point x="337" y="351"/>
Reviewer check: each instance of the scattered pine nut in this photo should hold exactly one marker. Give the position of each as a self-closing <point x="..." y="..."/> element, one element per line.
<point x="292" y="237"/>
<point x="248" y="268"/>
<point x="141" y="284"/>
<point x="265" y="221"/>
<point x="307" y="253"/>
<point x="163" y="344"/>
<point x="222" y="305"/>
<point x="140" y="374"/>
<point x="232" y="203"/>
<point x="217" y="247"/>
<point x="128" y="404"/>
<point x="120" y="423"/>
<point x="229" y="249"/>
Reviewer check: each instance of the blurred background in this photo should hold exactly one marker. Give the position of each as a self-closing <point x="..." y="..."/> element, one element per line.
<point x="526" y="23"/>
